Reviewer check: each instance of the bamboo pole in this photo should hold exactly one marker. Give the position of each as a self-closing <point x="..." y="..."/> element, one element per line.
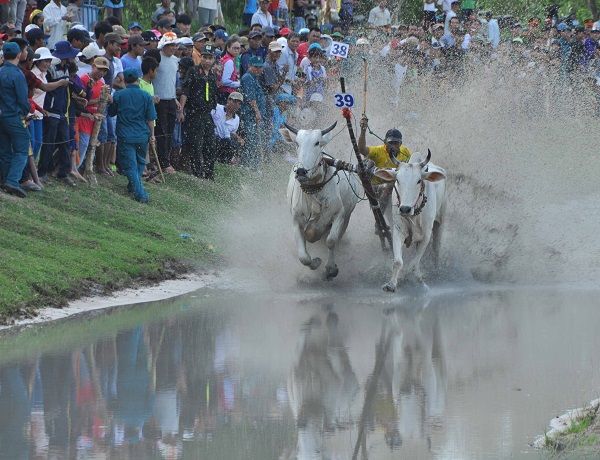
<point x="90" y="154"/>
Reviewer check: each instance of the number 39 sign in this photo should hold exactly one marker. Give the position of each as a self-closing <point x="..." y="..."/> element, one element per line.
<point x="339" y="49"/>
<point x="344" y="100"/>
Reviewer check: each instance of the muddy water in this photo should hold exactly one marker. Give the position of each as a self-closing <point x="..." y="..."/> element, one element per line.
<point x="218" y="374"/>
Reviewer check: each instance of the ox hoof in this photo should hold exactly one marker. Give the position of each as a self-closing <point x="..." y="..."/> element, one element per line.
<point x="315" y="263"/>
<point x="331" y="273"/>
<point x="389" y="287"/>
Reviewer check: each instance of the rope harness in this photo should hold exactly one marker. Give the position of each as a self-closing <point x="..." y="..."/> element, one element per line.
<point x="311" y="189"/>
<point x="422" y="195"/>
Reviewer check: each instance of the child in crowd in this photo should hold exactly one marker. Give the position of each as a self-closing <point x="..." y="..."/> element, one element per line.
<point x="315" y="73"/>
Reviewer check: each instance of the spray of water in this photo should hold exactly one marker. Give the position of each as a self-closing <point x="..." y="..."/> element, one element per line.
<point x="522" y="185"/>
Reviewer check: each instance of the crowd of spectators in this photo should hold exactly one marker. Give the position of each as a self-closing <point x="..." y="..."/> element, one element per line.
<point x="222" y="96"/>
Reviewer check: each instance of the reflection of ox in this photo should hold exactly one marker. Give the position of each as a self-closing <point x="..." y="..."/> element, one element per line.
<point x="320" y="202"/>
<point x="418" y="212"/>
<point x="414" y="373"/>
<point x="322" y="386"/>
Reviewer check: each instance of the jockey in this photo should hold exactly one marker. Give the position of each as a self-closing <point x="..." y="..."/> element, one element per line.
<point x="382" y="156"/>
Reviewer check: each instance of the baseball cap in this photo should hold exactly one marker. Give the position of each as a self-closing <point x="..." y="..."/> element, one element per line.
<point x="164" y="22"/>
<point x="121" y="31"/>
<point x="113" y="37"/>
<point x="208" y="50"/>
<point x="9" y="29"/>
<point x="580" y="29"/>
<point x="437" y="26"/>
<point x="596" y="28"/>
<point x="257" y="61"/>
<point x="315" y="46"/>
<point x="393" y="135"/>
<point x="78" y="34"/>
<point x="268" y="31"/>
<point x="303" y="31"/>
<point x="236" y="96"/>
<point x="32" y="54"/>
<point x="254" y="34"/>
<point x="131" y="74"/>
<point x="221" y="34"/>
<point x="91" y="51"/>
<point x="199" y="37"/>
<point x="137" y="40"/>
<point x="101" y="63"/>
<point x="167" y="39"/>
<point x="11" y="47"/>
<point x="335" y="35"/>
<point x="133" y="25"/>
<point x="149" y="36"/>
<point x="186" y="41"/>
<point x="562" y="26"/>
<point x="35" y="34"/>
<point x="244" y="41"/>
<point x="275" y="46"/>
<point x="285" y="32"/>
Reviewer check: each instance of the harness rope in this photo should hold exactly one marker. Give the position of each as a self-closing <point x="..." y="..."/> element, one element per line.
<point x="421" y="194"/>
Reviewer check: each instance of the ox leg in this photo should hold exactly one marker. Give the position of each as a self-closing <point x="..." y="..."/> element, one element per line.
<point x="436" y="243"/>
<point x="336" y="232"/>
<point x="415" y="264"/>
<point x="398" y="262"/>
<point x="303" y="254"/>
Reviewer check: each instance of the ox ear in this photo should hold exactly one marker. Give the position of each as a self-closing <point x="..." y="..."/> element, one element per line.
<point x="288" y="136"/>
<point x="433" y="173"/>
<point x="388" y="175"/>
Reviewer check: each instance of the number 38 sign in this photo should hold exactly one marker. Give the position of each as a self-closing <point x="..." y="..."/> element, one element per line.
<point x="344" y="100"/>
<point x="339" y="49"/>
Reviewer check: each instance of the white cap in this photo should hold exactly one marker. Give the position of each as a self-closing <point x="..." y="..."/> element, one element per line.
<point x="91" y="51"/>
<point x="30" y="26"/>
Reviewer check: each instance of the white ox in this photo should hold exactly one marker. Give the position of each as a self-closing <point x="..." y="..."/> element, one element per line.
<point x="320" y="202"/>
<point x="418" y="211"/>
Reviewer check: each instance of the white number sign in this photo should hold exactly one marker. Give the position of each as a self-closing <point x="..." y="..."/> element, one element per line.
<point x="339" y="49"/>
<point x="343" y="100"/>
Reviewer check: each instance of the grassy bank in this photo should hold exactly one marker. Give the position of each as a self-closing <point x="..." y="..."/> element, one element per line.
<point x="63" y="243"/>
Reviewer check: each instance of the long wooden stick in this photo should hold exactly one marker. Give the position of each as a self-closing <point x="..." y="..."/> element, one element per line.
<point x="384" y="230"/>
<point x="365" y="87"/>
<point x="153" y="150"/>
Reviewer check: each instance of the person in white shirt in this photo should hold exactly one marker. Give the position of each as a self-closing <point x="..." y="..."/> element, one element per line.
<point x="428" y="12"/>
<point x="445" y="4"/>
<point x="380" y="16"/>
<point x="493" y="30"/>
<point x="226" y="125"/>
<point x="289" y="56"/>
<point x="453" y="13"/>
<point x="207" y="11"/>
<point x="262" y="16"/>
<point x="55" y="20"/>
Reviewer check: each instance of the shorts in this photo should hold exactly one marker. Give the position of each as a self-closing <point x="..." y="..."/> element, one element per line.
<point x="112" y="132"/>
<point x="103" y="134"/>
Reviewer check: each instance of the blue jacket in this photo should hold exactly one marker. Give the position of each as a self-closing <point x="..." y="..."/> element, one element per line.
<point x="13" y="92"/>
<point x="134" y="109"/>
<point x="57" y="101"/>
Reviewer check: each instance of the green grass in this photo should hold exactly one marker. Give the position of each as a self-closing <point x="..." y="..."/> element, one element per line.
<point x="61" y="243"/>
<point x="580" y="425"/>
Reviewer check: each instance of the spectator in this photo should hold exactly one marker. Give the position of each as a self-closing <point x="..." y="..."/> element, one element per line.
<point x="226" y="126"/>
<point x="135" y="114"/>
<point x="453" y="13"/>
<point x="151" y="38"/>
<point x="41" y="64"/>
<point x="283" y="102"/>
<point x="93" y="82"/>
<point x="74" y="10"/>
<point x="114" y="8"/>
<point x="186" y="45"/>
<point x="249" y="9"/>
<point x="135" y="28"/>
<point x="229" y="79"/>
<point x="283" y="14"/>
<point x="315" y="72"/>
<point x="314" y="35"/>
<point x="37" y="18"/>
<point x="113" y="78"/>
<point x="14" y="106"/>
<point x="100" y="30"/>
<point x="36" y="38"/>
<point x="493" y="30"/>
<point x="184" y="23"/>
<point x="78" y="38"/>
<point x="55" y="20"/>
<point x="168" y="107"/>
<point x="299" y="12"/>
<point x="449" y="39"/>
<point x="199" y="41"/>
<point x="254" y="49"/>
<point x="87" y="56"/>
<point x="272" y="79"/>
<point x="198" y="100"/>
<point x="219" y="41"/>
<point x="56" y="124"/>
<point x="16" y="13"/>
<point x="252" y="112"/>
<point x="380" y="16"/>
<point x="133" y="58"/>
<point x="467" y="8"/>
<point x="428" y="13"/>
<point x="207" y="11"/>
<point x="289" y="57"/>
<point x="262" y="16"/>
<point x="164" y="26"/>
<point x="268" y="35"/>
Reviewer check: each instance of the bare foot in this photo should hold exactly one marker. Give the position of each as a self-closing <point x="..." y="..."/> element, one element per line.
<point x="170" y="170"/>
<point x="75" y="175"/>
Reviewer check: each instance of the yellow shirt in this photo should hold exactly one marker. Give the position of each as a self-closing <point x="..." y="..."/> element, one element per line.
<point x="381" y="158"/>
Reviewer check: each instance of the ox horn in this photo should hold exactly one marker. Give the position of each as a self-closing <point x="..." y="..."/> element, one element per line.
<point x="325" y="131"/>
<point x="294" y="130"/>
<point x="426" y="160"/>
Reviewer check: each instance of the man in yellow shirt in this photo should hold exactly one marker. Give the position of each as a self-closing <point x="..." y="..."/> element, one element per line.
<point x="381" y="156"/>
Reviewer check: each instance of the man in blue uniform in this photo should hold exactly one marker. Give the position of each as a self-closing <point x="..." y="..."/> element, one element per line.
<point x="14" y="135"/>
<point x="135" y="113"/>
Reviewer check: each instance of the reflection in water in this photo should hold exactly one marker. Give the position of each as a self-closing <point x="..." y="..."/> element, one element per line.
<point x="266" y="377"/>
<point x="322" y="387"/>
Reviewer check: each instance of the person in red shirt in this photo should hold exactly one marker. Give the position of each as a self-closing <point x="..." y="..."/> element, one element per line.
<point x="94" y="82"/>
<point x="313" y="37"/>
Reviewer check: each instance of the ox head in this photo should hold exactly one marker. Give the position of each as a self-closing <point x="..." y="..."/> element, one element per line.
<point x="309" y="143"/>
<point x="409" y="178"/>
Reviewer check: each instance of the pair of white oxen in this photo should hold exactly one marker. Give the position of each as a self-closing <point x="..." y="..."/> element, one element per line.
<point x="321" y="207"/>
